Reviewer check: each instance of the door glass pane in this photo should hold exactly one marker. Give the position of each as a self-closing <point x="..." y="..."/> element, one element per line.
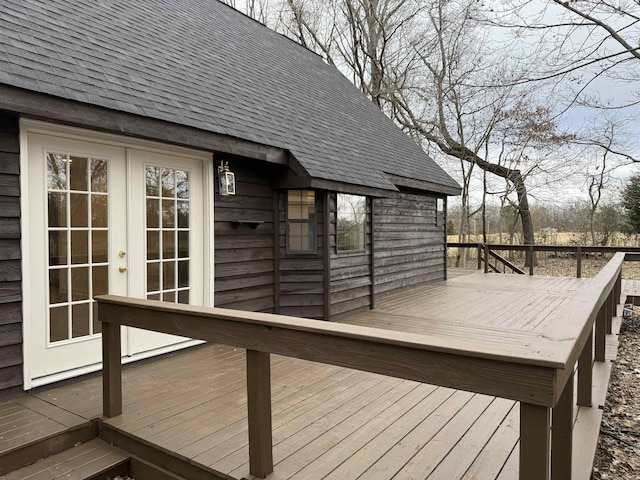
<point x="57" y="171"/>
<point x="100" y="246"/>
<point x="152" y="181"/>
<point x="168" y="183"/>
<point x="100" y="280"/>
<point x="78" y="173"/>
<point x="79" y="283"/>
<point x="153" y="213"/>
<point x="57" y="248"/>
<point x="58" y="289"/>
<point x="78" y="246"/>
<point x="80" y="320"/>
<point x="58" y="324"/>
<point x="99" y="211"/>
<point x="153" y="245"/>
<point x="98" y="175"/>
<point x="167" y="213"/>
<point x="182" y="184"/>
<point x="57" y="209"/>
<point x="79" y="203"/>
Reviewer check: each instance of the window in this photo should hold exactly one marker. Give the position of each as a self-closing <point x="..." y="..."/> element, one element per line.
<point x="351" y="221"/>
<point x="301" y="221"/>
<point x="439" y="212"/>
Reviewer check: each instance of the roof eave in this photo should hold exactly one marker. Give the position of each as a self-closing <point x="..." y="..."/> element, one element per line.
<point x="423" y="185"/>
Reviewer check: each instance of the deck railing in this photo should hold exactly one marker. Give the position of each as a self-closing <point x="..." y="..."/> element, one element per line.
<point x="540" y="382"/>
<point x="486" y="250"/>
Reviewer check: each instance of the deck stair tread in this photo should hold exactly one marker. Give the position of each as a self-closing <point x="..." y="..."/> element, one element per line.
<point x="28" y="419"/>
<point x="31" y="428"/>
<point x="80" y="462"/>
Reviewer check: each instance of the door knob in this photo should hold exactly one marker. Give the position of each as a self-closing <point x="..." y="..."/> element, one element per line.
<point x="122" y="269"/>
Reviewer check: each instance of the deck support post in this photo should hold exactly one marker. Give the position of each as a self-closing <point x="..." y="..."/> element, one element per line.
<point x="601" y="334"/>
<point x="111" y="370"/>
<point x="535" y="442"/>
<point x="259" y="413"/>
<point x="562" y="433"/>
<point x="578" y="261"/>
<point x="585" y="373"/>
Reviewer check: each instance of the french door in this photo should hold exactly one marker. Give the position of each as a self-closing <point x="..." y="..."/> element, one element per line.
<point x="105" y="218"/>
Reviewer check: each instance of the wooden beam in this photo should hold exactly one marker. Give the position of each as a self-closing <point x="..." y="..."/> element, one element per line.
<point x="326" y="252"/>
<point x="259" y="413"/>
<point x="562" y="434"/>
<point x="276" y="251"/>
<point x="386" y="352"/>
<point x="585" y="373"/>
<point x="111" y="369"/>
<point x="535" y="442"/>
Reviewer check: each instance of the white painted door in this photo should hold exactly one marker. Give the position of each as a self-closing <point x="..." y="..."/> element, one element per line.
<point x="166" y="256"/>
<point x="103" y="219"/>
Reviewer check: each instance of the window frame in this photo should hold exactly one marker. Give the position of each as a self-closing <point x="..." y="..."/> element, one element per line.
<point x="312" y="222"/>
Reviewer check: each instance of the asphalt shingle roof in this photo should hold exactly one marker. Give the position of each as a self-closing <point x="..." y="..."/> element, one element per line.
<point x="202" y="64"/>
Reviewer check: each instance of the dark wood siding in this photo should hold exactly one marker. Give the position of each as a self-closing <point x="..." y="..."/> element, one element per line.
<point x="409" y="247"/>
<point x="244" y="252"/>
<point x="302" y="277"/>
<point x="350" y="272"/>
<point x="10" y="266"/>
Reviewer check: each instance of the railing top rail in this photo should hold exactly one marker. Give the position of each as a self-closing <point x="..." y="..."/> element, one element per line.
<point x="546" y="248"/>
<point x="272" y="322"/>
<point x="566" y="336"/>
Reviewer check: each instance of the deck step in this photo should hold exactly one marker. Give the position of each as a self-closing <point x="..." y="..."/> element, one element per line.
<point x="82" y="462"/>
<point x="31" y="429"/>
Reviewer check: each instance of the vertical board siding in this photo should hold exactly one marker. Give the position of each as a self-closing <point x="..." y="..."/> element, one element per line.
<point x="11" y="380"/>
<point x="244" y="256"/>
<point x="350" y="271"/>
<point x="302" y="277"/>
<point x="409" y="247"/>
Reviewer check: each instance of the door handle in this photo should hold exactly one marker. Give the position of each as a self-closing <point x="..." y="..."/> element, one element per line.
<point x="122" y="269"/>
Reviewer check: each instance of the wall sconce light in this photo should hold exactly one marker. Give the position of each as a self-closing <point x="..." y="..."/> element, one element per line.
<point x="227" y="179"/>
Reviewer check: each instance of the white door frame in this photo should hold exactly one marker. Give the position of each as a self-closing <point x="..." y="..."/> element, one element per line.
<point x="33" y="126"/>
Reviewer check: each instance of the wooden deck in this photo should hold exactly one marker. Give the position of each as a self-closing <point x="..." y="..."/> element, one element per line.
<point x="336" y="423"/>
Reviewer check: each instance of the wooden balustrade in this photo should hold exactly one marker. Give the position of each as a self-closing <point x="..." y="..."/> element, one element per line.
<point x="538" y="375"/>
<point x="486" y="250"/>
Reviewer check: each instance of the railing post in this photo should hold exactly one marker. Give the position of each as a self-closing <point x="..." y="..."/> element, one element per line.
<point x="579" y="261"/>
<point x="531" y="259"/>
<point x="562" y="433"/>
<point x="259" y="413"/>
<point x="111" y="370"/>
<point x="601" y="334"/>
<point x="585" y="373"/>
<point x="486" y="258"/>
<point x="535" y="442"/>
<point x="479" y="256"/>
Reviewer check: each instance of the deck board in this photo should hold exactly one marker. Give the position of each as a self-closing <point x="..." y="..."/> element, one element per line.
<point x="335" y="423"/>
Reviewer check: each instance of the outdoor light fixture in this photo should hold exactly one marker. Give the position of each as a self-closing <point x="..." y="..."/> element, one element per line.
<point x="227" y="179"/>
